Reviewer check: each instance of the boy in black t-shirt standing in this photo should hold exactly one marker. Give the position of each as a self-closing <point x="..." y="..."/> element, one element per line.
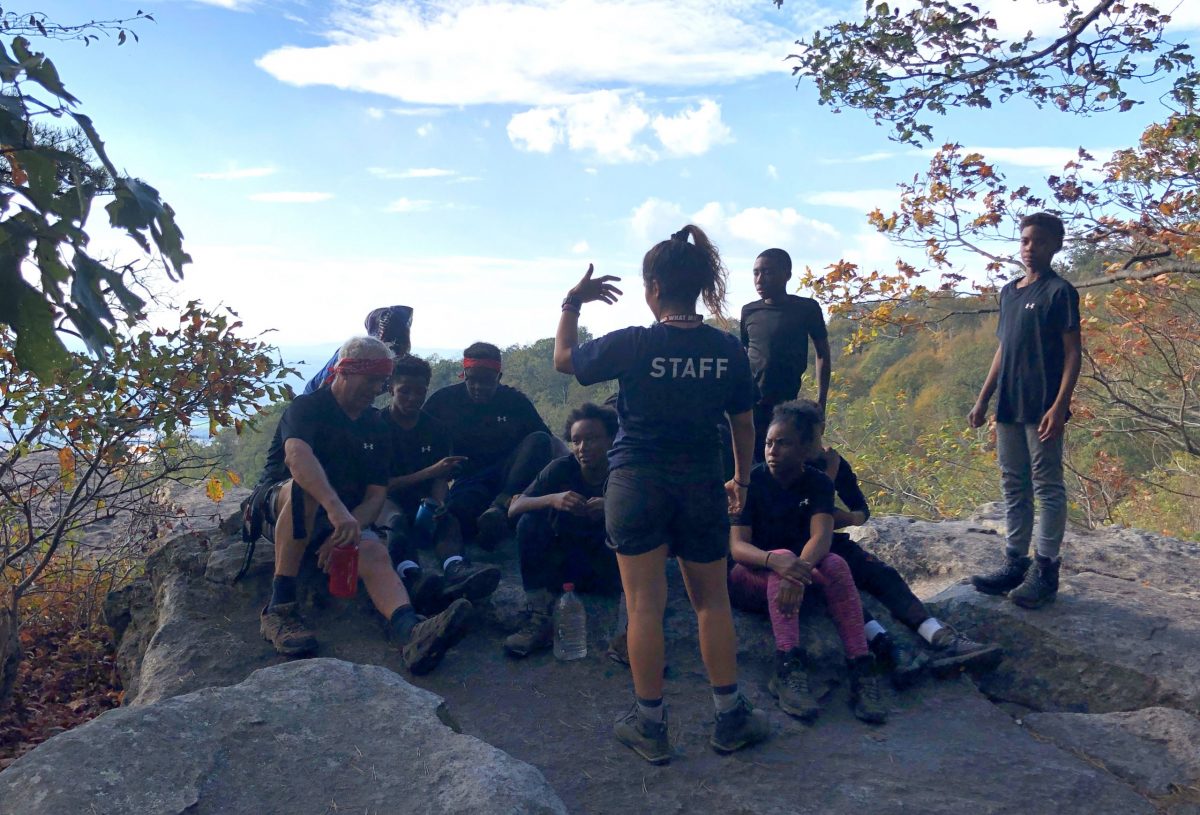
<point x="560" y="533"/>
<point x="415" y="513"/>
<point x="1033" y="374"/>
<point x="775" y="333"/>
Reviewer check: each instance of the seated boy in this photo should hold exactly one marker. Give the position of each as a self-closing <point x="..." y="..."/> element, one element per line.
<point x="560" y="531"/>
<point x="503" y="439"/>
<point x="327" y="471"/>
<point x="884" y="583"/>
<point x="414" y="514"/>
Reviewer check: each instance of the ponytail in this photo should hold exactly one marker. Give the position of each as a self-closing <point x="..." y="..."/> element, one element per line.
<point x="686" y="271"/>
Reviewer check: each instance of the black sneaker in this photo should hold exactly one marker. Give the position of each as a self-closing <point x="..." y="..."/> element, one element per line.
<point x="790" y="686"/>
<point x="492" y="527"/>
<point x="902" y="664"/>
<point x="430" y="638"/>
<point x="424" y="590"/>
<point x="954" y="651"/>
<point x="648" y="739"/>
<point x="284" y="628"/>
<point x="739" y="727"/>
<point x="1004" y="579"/>
<point x="1040" y="586"/>
<point x="866" y="697"/>
<point x="472" y="582"/>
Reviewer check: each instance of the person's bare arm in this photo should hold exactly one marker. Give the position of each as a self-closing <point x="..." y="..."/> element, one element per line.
<point x="978" y="414"/>
<point x="441" y="470"/>
<point x="368" y="511"/>
<point x="843" y="518"/>
<point x="571" y="502"/>
<point x="1052" y="424"/>
<point x="824" y="369"/>
<point x="741" y="426"/>
<point x="566" y="338"/>
<point x="820" y="539"/>
<point x="306" y="471"/>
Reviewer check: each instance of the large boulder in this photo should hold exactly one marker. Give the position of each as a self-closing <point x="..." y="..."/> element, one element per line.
<point x="318" y="735"/>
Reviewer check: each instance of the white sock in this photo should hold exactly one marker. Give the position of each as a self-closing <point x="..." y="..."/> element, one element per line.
<point x="452" y="559"/>
<point x="873" y="629"/>
<point x="404" y="565"/>
<point x="928" y="628"/>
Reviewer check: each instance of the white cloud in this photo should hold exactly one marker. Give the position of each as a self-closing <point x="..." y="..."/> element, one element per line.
<point x="694" y="131"/>
<point x="772" y="172"/>
<point x="751" y="228"/>
<point x="859" y="200"/>
<point x="580" y="247"/>
<point x="290" y="197"/>
<point x="429" y="53"/>
<point x="405" y="205"/>
<point x="537" y="130"/>
<point x="376" y="113"/>
<point x="425" y="129"/>
<point x="232" y="5"/>
<point x="415" y="172"/>
<point x="590" y="170"/>
<point x="865" y="158"/>
<point x="425" y="111"/>
<point x="654" y="219"/>
<point x="238" y="173"/>
<point x="605" y="124"/>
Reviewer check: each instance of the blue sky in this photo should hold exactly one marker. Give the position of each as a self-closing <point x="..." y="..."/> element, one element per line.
<point x="469" y="157"/>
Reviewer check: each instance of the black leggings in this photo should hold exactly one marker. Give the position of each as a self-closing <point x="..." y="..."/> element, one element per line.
<point x="498" y="482"/>
<point x="881" y="581"/>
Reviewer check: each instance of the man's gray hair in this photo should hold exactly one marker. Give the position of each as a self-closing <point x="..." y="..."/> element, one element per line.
<point x="364" y="348"/>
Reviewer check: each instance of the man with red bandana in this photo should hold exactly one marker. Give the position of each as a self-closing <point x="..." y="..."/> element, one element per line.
<point x="323" y="487"/>
<point x="505" y="442"/>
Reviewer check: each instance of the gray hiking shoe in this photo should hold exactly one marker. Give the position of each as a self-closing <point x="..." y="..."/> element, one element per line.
<point x="954" y="651"/>
<point x="866" y="697"/>
<point x="537" y="634"/>
<point x="283" y="627"/>
<point x="739" y="727"/>
<point x="430" y="638"/>
<point x="1040" y="586"/>
<point x="1004" y="579"/>
<point x="902" y="664"/>
<point x="648" y="739"/>
<point x="790" y="686"/>
<point x="464" y="579"/>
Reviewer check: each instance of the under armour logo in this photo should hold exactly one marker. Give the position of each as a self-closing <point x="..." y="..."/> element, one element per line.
<point x="502" y="418"/>
<point x="368" y="446"/>
<point x="802" y="503"/>
<point x="427" y="448"/>
<point x="1030" y="305"/>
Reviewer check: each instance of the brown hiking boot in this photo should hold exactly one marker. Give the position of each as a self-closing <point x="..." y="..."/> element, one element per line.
<point x="283" y="627"/>
<point x="537" y="634"/>
<point x="429" y="639"/>
<point x="618" y="648"/>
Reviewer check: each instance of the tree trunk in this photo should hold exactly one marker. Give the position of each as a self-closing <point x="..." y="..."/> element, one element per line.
<point x="10" y="652"/>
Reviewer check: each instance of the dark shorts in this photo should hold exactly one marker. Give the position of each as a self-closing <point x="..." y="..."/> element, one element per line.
<point x="268" y="499"/>
<point x="644" y="508"/>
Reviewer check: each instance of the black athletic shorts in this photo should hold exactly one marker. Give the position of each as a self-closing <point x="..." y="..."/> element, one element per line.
<point x="644" y="508"/>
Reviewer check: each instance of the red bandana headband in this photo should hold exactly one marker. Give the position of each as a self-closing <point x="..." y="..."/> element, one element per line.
<point x="475" y="362"/>
<point x="378" y="366"/>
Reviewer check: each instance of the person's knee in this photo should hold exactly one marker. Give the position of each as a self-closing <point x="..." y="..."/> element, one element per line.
<point x="835" y="568"/>
<point x="373" y="557"/>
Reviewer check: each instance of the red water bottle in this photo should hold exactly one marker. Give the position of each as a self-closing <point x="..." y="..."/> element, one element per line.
<point x="343" y="571"/>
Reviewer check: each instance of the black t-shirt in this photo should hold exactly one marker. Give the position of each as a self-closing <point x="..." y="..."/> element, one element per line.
<point x="676" y="384"/>
<point x="565" y="475"/>
<point x="845" y="484"/>
<point x="780" y="517"/>
<point x="485" y="433"/>
<point x="415" y="448"/>
<point x="354" y="453"/>
<point x="776" y="340"/>
<point x="1033" y="320"/>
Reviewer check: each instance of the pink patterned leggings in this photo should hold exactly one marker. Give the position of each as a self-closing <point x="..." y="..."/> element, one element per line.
<point x="753" y="589"/>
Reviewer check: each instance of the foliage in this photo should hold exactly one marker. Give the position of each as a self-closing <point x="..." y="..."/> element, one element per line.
<point x="904" y="62"/>
<point x="49" y="279"/>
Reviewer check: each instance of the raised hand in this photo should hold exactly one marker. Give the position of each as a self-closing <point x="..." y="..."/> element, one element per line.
<point x="591" y="289"/>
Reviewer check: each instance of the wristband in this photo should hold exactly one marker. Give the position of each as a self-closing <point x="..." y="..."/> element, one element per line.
<point x="743" y="484"/>
<point x="767" y="562"/>
<point x="571" y="303"/>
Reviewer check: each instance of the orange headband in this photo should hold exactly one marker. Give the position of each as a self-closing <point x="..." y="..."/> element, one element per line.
<point x="379" y="366"/>
<point x="475" y="362"/>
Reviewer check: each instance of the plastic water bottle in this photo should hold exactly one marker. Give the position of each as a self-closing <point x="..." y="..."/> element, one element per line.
<point x="570" y="626"/>
<point x="343" y="571"/>
<point x="425" y="523"/>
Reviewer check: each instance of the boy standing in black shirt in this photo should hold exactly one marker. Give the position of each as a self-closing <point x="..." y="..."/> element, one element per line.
<point x="1034" y="374"/>
<point x="775" y="333"/>
<point x="504" y="441"/>
<point x="415" y="513"/>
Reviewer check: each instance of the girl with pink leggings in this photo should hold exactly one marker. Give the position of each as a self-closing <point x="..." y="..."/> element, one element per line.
<point x="780" y="544"/>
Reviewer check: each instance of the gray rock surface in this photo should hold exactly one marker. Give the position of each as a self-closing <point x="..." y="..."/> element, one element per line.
<point x="1155" y="750"/>
<point x="311" y="736"/>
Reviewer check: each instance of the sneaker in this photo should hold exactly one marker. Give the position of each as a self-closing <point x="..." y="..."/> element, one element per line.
<point x="647" y="739"/>
<point x="283" y="627"/>
<point x="618" y="648"/>
<point x="1004" y="579"/>
<point x="866" y="697"/>
<point x="1040" y="586"/>
<point x="472" y="582"/>
<point x="956" y="651"/>
<point x="902" y="664"/>
<point x="492" y="526"/>
<point x="424" y="590"/>
<point x="739" y="727"/>
<point x="790" y="686"/>
<point x="537" y="634"/>
<point x="430" y="638"/>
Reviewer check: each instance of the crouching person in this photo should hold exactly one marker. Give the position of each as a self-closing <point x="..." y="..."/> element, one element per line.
<point x="560" y="531"/>
<point x="329" y="462"/>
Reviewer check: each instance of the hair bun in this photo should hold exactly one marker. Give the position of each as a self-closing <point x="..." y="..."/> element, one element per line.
<point x="681" y="235"/>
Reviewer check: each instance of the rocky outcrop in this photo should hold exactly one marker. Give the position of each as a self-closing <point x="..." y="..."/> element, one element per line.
<point x="313" y="736"/>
